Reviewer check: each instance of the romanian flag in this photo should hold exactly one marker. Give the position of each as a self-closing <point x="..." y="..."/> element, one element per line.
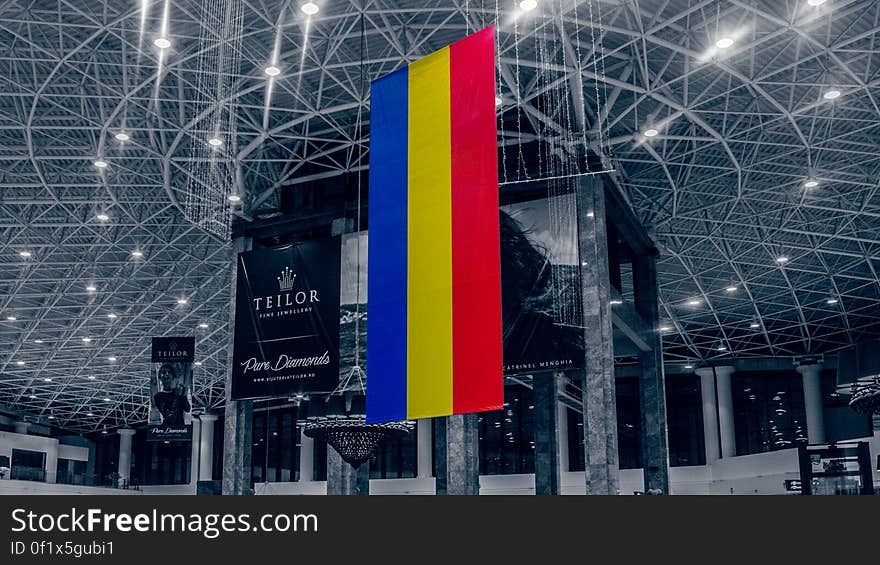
<point x="434" y="292"/>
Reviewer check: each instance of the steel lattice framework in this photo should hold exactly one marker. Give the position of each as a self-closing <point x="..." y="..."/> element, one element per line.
<point x="721" y="185"/>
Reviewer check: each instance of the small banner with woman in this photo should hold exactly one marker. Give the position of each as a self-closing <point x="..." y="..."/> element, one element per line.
<point x="171" y="389"/>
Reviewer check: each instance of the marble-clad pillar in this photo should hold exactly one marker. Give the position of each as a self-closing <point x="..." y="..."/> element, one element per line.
<point x="124" y="469"/>
<point x="458" y="463"/>
<point x="345" y="480"/>
<point x="710" y="414"/>
<point x="425" y="447"/>
<point x="811" y="377"/>
<point x="724" y="390"/>
<point x="206" y="449"/>
<point x="546" y="428"/>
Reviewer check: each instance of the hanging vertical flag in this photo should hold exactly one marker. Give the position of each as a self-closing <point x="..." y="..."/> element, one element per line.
<point x="434" y="292"/>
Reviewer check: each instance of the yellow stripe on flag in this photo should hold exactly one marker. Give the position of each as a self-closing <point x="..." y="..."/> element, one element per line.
<point x="429" y="249"/>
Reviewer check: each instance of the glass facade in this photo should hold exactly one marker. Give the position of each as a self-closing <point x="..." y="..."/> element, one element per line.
<point x="507" y="439"/>
<point x="684" y="420"/>
<point x="159" y="462"/>
<point x="276" y="437"/>
<point x="629" y="439"/>
<point x="71" y="472"/>
<point x="768" y="411"/>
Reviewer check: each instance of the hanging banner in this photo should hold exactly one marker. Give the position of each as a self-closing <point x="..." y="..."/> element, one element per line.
<point x="171" y="389"/>
<point x="287" y="320"/>
<point x="540" y="286"/>
<point x="434" y="323"/>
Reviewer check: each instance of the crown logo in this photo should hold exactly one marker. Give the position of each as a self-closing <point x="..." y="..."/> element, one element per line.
<point x="285" y="281"/>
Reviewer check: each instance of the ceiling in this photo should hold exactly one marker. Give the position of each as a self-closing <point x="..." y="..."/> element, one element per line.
<point x="720" y="187"/>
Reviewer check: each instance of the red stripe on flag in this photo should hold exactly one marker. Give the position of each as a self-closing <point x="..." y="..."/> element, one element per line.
<point x="476" y="257"/>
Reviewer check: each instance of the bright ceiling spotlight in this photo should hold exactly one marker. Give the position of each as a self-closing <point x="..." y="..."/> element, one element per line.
<point x="51" y="417"/>
<point x="162" y="43"/>
<point x="100" y="164"/>
<point x="831" y="301"/>
<point x="181" y="301"/>
<point x="19" y="363"/>
<point x="815" y="2"/>
<point x="528" y="5"/>
<point x="754" y="325"/>
<point x="782" y="259"/>
<point x="198" y="363"/>
<point x="665" y="328"/>
<point x="694" y="302"/>
<point x="47" y="379"/>
<point x="616" y="301"/>
<point x="38" y="341"/>
<point x="651" y="132"/>
<point x="724" y="42"/>
<point x="106" y="399"/>
<point x="91" y="377"/>
<point x="91" y="288"/>
<point x="87" y="340"/>
<point x="111" y="315"/>
<point x="722" y="348"/>
<point x="731" y="289"/>
<point x="89" y="414"/>
<point x="32" y="396"/>
<point x="215" y="142"/>
<point x="122" y="136"/>
<point x="811" y="183"/>
<point x="272" y="71"/>
<point x="234" y="198"/>
<point x="111" y="359"/>
<point x="203" y="325"/>
<point x="831" y="94"/>
<point x="25" y="254"/>
<point x="688" y="366"/>
<point x="11" y="318"/>
<point x="102" y="217"/>
<point x="498" y="101"/>
<point x="137" y="253"/>
<point x="310" y="8"/>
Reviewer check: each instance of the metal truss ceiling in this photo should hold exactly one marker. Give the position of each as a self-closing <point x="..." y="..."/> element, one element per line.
<point x="721" y="186"/>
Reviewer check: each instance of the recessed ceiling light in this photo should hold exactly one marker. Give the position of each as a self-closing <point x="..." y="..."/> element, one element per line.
<point x="51" y="417"/>
<point x="122" y="136"/>
<point x="103" y="217"/>
<point x="111" y="315"/>
<point x="111" y="359"/>
<point x="831" y="301"/>
<point x="831" y="94"/>
<point x="234" y="198"/>
<point x="724" y="42"/>
<point x="25" y="254"/>
<point x="48" y="379"/>
<point x="19" y="363"/>
<point x="782" y="259"/>
<point x="615" y="301"/>
<point x="89" y="414"/>
<point x="754" y="325"/>
<point x="106" y="399"/>
<point x="38" y="341"/>
<point x="811" y="183"/>
<point x="11" y="318"/>
<point x="162" y="43"/>
<point x="215" y="142"/>
<point x="722" y="348"/>
<point x="181" y="300"/>
<point x="694" y="302"/>
<point x="272" y="71"/>
<point x="32" y="396"/>
<point x="100" y="164"/>
<point x="203" y="325"/>
<point x="91" y="288"/>
<point x="498" y="101"/>
<point x="815" y="2"/>
<point x="665" y="328"/>
<point x="688" y="366"/>
<point x="651" y="132"/>
<point x="87" y="339"/>
<point x="91" y="377"/>
<point x="731" y="289"/>
<point x="198" y="363"/>
<point x="310" y="8"/>
<point x="528" y="5"/>
<point x="137" y="253"/>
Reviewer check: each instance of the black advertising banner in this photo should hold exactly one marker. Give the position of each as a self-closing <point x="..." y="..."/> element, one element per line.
<point x="171" y="389"/>
<point x="540" y="286"/>
<point x="287" y="320"/>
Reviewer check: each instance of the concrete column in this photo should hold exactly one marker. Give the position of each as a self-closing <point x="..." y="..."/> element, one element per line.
<point x="343" y="479"/>
<point x="600" y="409"/>
<point x="562" y="438"/>
<point x="206" y="451"/>
<point x="725" y="410"/>
<point x="125" y="435"/>
<point x="458" y="462"/>
<point x="652" y="391"/>
<point x="811" y="377"/>
<point x="710" y="414"/>
<point x="306" y="458"/>
<point x="425" y="457"/>
<point x="195" y="445"/>
<point x="22" y="427"/>
<point x="546" y="439"/>
<point x="238" y="420"/>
